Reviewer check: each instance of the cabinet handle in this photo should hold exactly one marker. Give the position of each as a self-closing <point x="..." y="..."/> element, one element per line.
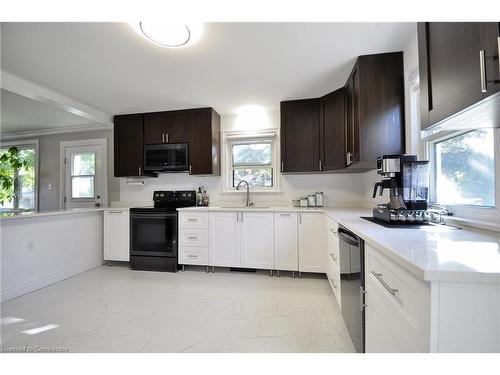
<point x="320" y="165"/>
<point x="285" y="215"/>
<point x="300" y="218"/>
<point x="163" y="138"/>
<point x="140" y="171"/>
<point x="349" y="158"/>
<point x="282" y="166"/>
<point x="241" y="217"/>
<point x="189" y="168"/>
<point x="115" y="212"/>
<point x="334" y="258"/>
<point x="498" y="42"/>
<point x="378" y="276"/>
<point x="191" y="219"/>
<point x="333" y="232"/>
<point x="482" y="70"/>
<point x="192" y="238"/>
<point x="166" y="137"/>
<point x="192" y="256"/>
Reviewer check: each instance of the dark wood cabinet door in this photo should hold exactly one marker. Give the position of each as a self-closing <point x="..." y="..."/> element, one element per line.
<point x="165" y="127"/>
<point x="154" y="128"/>
<point x="449" y="54"/>
<point x="333" y="127"/>
<point x="300" y="135"/>
<point x="352" y="117"/>
<point x="490" y="43"/>
<point x="128" y="145"/>
<point x="199" y="135"/>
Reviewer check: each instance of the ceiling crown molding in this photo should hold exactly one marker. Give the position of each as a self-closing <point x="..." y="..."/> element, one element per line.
<point x="38" y="93"/>
<point x="51" y="131"/>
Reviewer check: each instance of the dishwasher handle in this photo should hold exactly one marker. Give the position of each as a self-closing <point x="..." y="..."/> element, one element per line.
<point x="347" y="237"/>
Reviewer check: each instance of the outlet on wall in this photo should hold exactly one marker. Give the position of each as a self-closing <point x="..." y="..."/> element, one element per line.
<point x="30" y="245"/>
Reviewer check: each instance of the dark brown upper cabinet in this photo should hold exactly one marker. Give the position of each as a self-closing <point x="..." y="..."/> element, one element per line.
<point x="459" y="69"/>
<point x="203" y="136"/>
<point x="332" y="130"/>
<point x="347" y="129"/>
<point x="199" y="127"/>
<point x="165" y="127"/>
<point x="374" y="110"/>
<point x="300" y="135"/>
<point x="128" y="145"/>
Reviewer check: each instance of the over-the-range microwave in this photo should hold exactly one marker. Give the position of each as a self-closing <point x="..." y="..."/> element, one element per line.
<point x="167" y="157"/>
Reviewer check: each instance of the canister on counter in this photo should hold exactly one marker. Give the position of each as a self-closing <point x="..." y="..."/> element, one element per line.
<point x="319" y="199"/>
<point x="303" y="201"/>
<point x="311" y="200"/>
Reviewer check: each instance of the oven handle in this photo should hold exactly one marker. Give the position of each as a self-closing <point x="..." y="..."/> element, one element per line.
<point x="347" y="237"/>
<point x="151" y="216"/>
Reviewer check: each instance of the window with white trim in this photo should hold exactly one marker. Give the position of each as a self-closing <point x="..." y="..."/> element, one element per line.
<point x="251" y="157"/>
<point x="463" y="171"/>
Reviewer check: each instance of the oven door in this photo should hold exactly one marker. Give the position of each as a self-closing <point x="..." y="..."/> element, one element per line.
<point x="153" y="234"/>
<point x="166" y="157"/>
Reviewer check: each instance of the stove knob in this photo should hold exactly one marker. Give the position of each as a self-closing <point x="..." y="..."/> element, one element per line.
<point x="410" y="217"/>
<point x="401" y="217"/>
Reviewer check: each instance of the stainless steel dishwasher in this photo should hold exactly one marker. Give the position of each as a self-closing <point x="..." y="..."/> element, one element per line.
<point x="352" y="285"/>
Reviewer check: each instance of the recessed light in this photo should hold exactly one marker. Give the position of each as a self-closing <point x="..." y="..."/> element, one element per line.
<point x="169" y="35"/>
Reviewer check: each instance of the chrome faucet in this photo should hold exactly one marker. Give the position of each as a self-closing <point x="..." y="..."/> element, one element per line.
<point x="248" y="204"/>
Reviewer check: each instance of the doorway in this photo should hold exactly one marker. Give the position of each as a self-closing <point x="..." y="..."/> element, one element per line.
<point x="83" y="174"/>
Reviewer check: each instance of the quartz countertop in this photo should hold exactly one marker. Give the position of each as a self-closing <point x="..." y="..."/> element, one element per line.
<point x="431" y="253"/>
<point x="37" y="214"/>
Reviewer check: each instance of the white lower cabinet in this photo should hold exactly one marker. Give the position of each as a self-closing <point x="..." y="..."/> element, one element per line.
<point x="311" y="229"/>
<point x="117" y="235"/>
<point x="257" y="240"/>
<point x="193" y="238"/>
<point x="333" y="258"/>
<point x="398" y="307"/>
<point x="286" y="250"/>
<point x="241" y="239"/>
<point x="224" y="239"/>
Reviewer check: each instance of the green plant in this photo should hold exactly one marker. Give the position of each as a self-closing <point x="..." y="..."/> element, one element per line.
<point x="11" y="162"/>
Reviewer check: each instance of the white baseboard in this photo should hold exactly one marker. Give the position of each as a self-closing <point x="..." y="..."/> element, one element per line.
<point x="42" y="282"/>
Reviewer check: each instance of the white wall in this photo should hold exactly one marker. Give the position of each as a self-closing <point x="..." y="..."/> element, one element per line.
<point x="62" y="245"/>
<point x="340" y="189"/>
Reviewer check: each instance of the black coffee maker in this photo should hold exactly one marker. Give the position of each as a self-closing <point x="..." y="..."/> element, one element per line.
<point x="407" y="180"/>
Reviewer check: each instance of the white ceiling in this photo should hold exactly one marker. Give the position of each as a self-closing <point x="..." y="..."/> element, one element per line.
<point x="21" y="114"/>
<point x="110" y="67"/>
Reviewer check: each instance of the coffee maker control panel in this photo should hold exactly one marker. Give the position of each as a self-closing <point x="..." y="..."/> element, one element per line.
<point x="401" y="216"/>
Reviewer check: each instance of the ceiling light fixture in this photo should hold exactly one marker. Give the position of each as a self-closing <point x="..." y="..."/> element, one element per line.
<point x="169" y="34"/>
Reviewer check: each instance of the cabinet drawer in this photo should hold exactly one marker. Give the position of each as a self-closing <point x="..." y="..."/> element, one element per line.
<point x="193" y="256"/>
<point x="406" y="298"/>
<point x="193" y="237"/>
<point x="333" y="275"/>
<point x="193" y="220"/>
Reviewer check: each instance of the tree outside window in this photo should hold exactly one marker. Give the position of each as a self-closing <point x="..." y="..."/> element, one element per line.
<point x="17" y="178"/>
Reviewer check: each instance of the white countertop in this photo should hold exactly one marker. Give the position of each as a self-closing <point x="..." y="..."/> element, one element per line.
<point x="37" y="214"/>
<point x="432" y="253"/>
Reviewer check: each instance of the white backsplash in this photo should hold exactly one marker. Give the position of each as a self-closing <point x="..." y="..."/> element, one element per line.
<point x="340" y="189"/>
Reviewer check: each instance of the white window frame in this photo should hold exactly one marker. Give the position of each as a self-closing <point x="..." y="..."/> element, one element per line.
<point x="232" y="137"/>
<point x="490" y="215"/>
<point x="26" y="142"/>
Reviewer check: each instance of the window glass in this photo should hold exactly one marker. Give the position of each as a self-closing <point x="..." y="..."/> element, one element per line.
<point x="252" y="162"/>
<point x="82" y="187"/>
<point x="83" y="164"/>
<point x="464" y="166"/>
<point x="18" y="188"/>
<point x="252" y="154"/>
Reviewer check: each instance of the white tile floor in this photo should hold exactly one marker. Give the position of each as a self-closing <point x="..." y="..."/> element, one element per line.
<point x="118" y="310"/>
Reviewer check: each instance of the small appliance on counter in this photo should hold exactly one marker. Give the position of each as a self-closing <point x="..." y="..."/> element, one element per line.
<point x="153" y="231"/>
<point x="408" y="182"/>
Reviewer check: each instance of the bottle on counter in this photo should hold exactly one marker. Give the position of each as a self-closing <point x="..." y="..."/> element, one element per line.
<point x="204" y="198"/>
<point x="199" y="197"/>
